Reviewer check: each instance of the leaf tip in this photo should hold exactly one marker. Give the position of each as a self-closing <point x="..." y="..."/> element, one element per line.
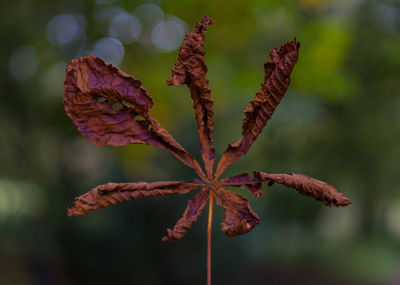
<point x="169" y="236"/>
<point x="201" y="26"/>
<point x="310" y="187"/>
<point x="207" y="20"/>
<point x="74" y="210"/>
<point x="344" y="202"/>
<point x="243" y="227"/>
<point x="296" y="43"/>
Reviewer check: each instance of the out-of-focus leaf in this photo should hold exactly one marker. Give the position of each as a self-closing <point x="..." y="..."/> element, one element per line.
<point x="239" y="217"/>
<point x="192" y="212"/>
<point x="190" y="69"/>
<point x="309" y="187"/>
<point x="114" y="193"/>
<point x="278" y="70"/>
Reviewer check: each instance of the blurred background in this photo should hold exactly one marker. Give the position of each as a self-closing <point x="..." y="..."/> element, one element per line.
<point x="339" y="122"/>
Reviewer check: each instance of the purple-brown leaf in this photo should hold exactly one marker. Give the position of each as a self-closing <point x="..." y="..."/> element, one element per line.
<point x="94" y="94"/>
<point x="110" y="107"/>
<point x="192" y="212"/>
<point x="278" y="70"/>
<point x="190" y="69"/>
<point x="253" y="184"/>
<point x="114" y="193"/>
<point x="309" y="187"/>
<point x="239" y="217"/>
<point x="91" y="75"/>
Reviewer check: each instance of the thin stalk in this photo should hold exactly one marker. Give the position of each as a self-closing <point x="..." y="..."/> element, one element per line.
<point x="209" y="229"/>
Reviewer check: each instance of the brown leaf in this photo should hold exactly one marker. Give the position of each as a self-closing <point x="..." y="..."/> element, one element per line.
<point x="114" y="193"/>
<point x="309" y="187"/>
<point x="111" y="107"/>
<point x="239" y="217"/>
<point x="278" y="71"/>
<point x="91" y="75"/>
<point x="92" y="89"/>
<point x="192" y="212"/>
<point x="253" y="184"/>
<point x="190" y="69"/>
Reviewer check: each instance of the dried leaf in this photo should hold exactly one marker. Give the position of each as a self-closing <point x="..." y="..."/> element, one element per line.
<point x="239" y="217"/>
<point x="114" y="193"/>
<point x="309" y="187"/>
<point x="110" y="107"/>
<point x="253" y="184"/>
<point x="192" y="212"/>
<point x="90" y="79"/>
<point x="278" y="71"/>
<point x="190" y="69"/>
<point x="91" y="75"/>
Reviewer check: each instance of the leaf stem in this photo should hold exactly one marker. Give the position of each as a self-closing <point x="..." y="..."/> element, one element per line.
<point x="209" y="229"/>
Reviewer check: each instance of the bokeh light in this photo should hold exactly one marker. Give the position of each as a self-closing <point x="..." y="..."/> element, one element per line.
<point x="103" y="17"/>
<point x="149" y="15"/>
<point x="65" y="29"/>
<point x="110" y="50"/>
<point x="23" y="62"/>
<point x="19" y="199"/>
<point x="168" y="35"/>
<point x="387" y="16"/>
<point x="125" y="27"/>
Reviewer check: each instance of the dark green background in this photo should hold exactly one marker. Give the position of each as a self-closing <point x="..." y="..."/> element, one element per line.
<point x="339" y="122"/>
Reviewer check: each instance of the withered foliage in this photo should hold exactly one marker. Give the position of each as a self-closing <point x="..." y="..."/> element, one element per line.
<point x="110" y="107"/>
